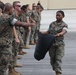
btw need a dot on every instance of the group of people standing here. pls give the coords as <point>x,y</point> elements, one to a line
<point>19,27</point>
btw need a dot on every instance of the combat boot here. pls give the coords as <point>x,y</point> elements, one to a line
<point>26,47</point>
<point>22,53</point>
<point>18,57</point>
<point>35,42</point>
<point>18,65</point>
<point>13,72</point>
<point>58,73</point>
<point>32,43</point>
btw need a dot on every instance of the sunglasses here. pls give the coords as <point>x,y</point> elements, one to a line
<point>18,5</point>
<point>34,6</point>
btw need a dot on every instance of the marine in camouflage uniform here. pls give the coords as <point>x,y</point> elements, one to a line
<point>24,31</point>
<point>37,23</point>
<point>17,14</point>
<point>20,47</point>
<point>56,52</point>
<point>34,18</point>
<point>27,30</point>
<point>17,48</point>
<point>6,38</point>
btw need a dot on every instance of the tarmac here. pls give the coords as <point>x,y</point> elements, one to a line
<point>30,66</point>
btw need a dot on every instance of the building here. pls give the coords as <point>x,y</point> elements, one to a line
<point>50,4</point>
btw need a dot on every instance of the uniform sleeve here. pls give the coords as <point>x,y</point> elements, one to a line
<point>27,17</point>
<point>13,21</point>
<point>65,27</point>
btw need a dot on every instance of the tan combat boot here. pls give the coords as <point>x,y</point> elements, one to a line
<point>22,53</point>
<point>35,42</point>
<point>17,57</point>
<point>26,47</point>
<point>57,73</point>
<point>18,65</point>
<point>13,72</point>
<point>32,43</point>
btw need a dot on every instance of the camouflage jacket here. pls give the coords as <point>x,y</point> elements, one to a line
<point>6,29</point>
<point>34,15</point>
<point>55,28</point>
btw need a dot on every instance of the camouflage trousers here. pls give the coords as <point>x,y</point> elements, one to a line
<point>17,48</point>
<point>56,54</point>
<point>5,58</point>
<point>32,36</point>
<point>21,45</point>
<point>27,37</point>
<point>37,30</point>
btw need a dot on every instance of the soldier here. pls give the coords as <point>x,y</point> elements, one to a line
<point>27,30</point>
<point>56,52</point>
<point>37,23</point>
<point>6,37</point>
<point>34,18</point>
<point>17,48</point>
<point>17,14</point>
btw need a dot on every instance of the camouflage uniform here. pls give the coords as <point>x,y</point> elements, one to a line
<point>56,52</point>
<point>38,21</point>
<point>17,47</point>
<point>22,29</point>
<point>37,26</point>
<point>34,16</point>
<point>27,32</point>
<point>6,38</point>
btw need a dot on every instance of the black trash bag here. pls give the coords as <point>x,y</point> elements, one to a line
<point>44,43</point>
